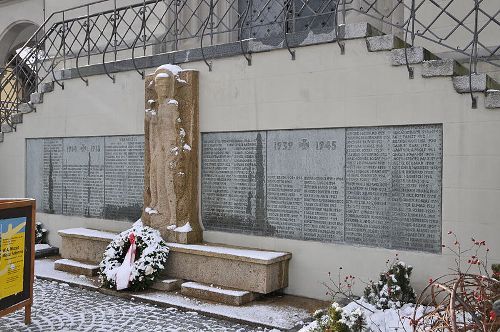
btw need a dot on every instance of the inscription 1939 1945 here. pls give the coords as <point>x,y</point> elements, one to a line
<point>376,186</point>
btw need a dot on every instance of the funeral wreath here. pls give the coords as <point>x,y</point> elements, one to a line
<point>134,259</point>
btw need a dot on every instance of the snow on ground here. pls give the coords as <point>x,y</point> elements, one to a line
<point>264,313</point>
<point>389,320</point>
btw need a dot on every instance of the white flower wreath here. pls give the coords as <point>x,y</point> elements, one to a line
<point>152,253</point>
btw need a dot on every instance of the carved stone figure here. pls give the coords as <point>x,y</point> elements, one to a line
<point>171,154</point>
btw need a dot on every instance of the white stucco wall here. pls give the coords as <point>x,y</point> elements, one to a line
<point>320,89</point>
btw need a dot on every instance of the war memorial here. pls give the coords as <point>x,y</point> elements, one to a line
<point>231,158</point>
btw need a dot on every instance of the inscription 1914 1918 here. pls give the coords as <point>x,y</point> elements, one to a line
<point>100,177</point>
<point>376,186</point>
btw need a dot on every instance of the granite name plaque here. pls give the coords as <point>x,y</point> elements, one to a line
<point>100,177</point>
<point>375,186</point>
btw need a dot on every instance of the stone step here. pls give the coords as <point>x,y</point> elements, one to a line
<point>357,30</point>
<point>16,118</point>
<point>167,285</point>
<point>76,267</point>
<point>384,43</point>
<point>264,271</point>
<point>217,294</point>
<point>479,83</point>
<point>26,108</point>
<point>415,55</point>
<point>6,128</point>
<point>444,67</point>
<point>47,87</point>
<point>492,99</point>
<point>83,244</point>
<point>36,98</point>
<point>45,250</point>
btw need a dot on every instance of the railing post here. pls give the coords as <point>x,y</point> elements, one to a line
<point>64,40</point>
<point>144,27</point>
<point>473,55</point>
<point>115,27</point>
<point>176,18</point>
<point>88,35</point>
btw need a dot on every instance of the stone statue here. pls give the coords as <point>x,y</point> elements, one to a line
<point>171,154</point>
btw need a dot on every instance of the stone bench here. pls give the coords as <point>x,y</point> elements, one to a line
<point>251,270</point>
<point>83,244</point>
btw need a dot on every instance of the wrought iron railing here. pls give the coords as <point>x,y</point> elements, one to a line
<point>89,34</point>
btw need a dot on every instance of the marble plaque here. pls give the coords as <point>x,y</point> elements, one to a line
<point>99,177</point>
<point>374,186</point>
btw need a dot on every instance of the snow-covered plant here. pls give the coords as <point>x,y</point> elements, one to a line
<point>151,256</point>
<point>334,319</point>
<point>393,288</point>
<point>40,233</point>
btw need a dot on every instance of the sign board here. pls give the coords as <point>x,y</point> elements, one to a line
<point>17,255</point>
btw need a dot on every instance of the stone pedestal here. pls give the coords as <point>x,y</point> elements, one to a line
<point>171,154</point>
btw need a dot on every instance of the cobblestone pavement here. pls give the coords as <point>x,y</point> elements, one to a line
<point>59,307</point>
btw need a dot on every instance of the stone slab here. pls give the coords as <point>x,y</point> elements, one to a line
<point>82,244</point>
<point>415,55</point>
<point>76,267</point>
<point>6,128</point>
<point>264,272</point>
<point>26,108</point>
<point>1,137</point>
<point>16,118</point>
<point>167,285</point>
<point>478,82</point>
<point>383,43</point>
<point>47,87</point>
<point>36,98</point>
<point>311,184</point>
<point>216,293</point>
<point>440,68</point>
<point>358,30</point>
<point>492,99</point>
<point>46,251</point>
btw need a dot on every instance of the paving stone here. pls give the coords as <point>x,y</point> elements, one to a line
<point>59,307</point>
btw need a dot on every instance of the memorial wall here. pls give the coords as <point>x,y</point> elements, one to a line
<point>99,177</point>
<point>374,186</point>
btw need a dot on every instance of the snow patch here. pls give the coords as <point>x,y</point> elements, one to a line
<point>186,147</point>
<point>172,68</point>
<point>214,289</point>
<point>173,102</point>
<point>184,229</point>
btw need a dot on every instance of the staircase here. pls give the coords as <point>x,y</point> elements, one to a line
<point>101,37</point>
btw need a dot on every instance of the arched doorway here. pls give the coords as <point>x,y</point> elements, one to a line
<point>16,81</point>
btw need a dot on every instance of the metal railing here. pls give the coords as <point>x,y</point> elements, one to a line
<point>89,34</point>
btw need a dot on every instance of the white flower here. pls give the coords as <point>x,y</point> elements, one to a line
<point>149,270</point>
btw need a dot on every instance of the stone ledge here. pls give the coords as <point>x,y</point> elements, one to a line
<point>84,244</point>
<point>492,99</point>
<point>246,269</point>
<point>232,252</point>
<point>47,87</point>
<point>217,294</point>
<point>357,30</point>
<point>36,98</point>
<point>76,267</point>
<point>5,128</point>
<point>478,82</point>
<point>441,68</point>
<point>383,43</point>
<point>26,108</point>
<point>1,137</point>
<point>415,55</point>
<point>167,285</point>
<point>16,118</point>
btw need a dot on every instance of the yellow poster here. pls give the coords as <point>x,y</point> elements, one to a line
<point>12,232</point>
